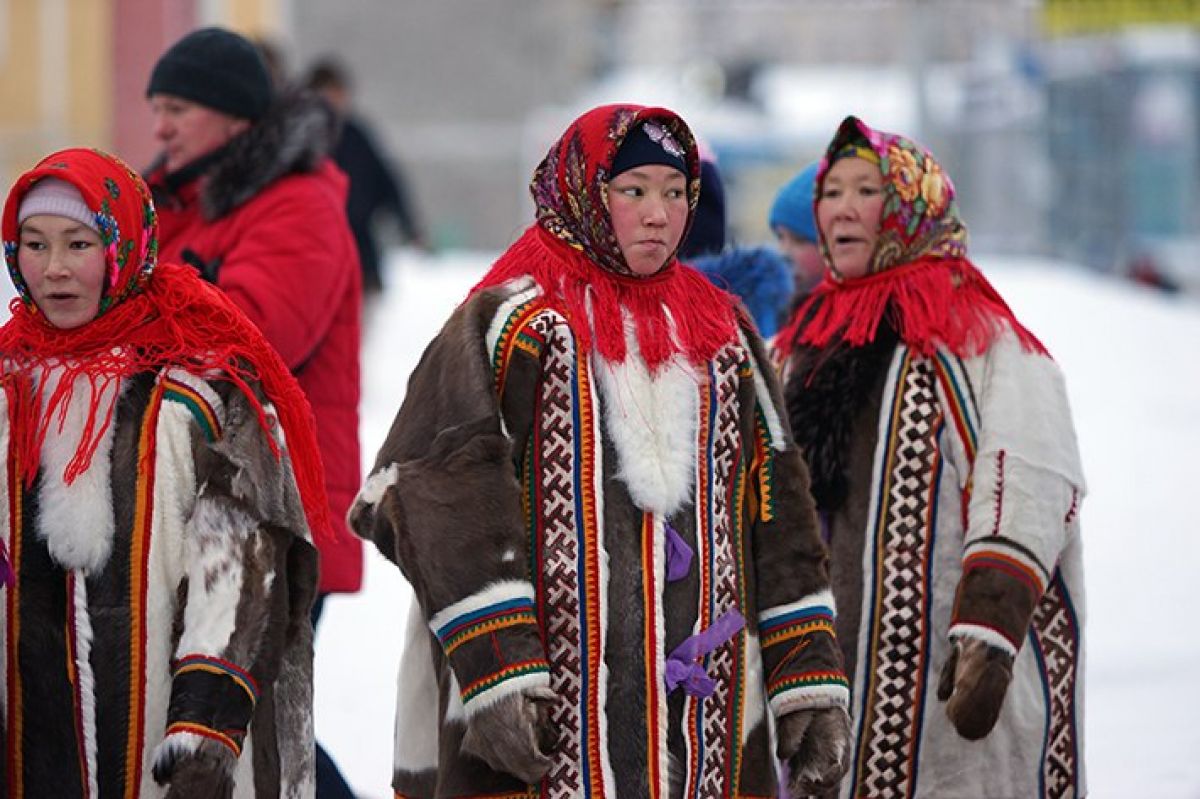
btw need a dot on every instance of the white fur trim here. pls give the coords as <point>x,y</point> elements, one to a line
<point>243,777</point>
<point>76,520</point>
<point>174,501</point>
<point>779,441</point>
<point>753,688</point>
<point>500,591</point>
<point>375,486</point>
<point>485,699</point>
<point>807,697</point>
<point>87,679</point>
<point>213,552</point>
<point>981,633</point>
<point>454,706</point>
<point>651,421</point>
<point>821,599</point>
<point>522,291</point>
<point>416,741</point>
<point>201,387</point>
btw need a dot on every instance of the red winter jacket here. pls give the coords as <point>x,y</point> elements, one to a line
<point>276,236</point>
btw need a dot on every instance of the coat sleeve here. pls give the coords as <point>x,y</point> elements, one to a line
<point>443,501</point>
<point>802,664</point>
<point>249,581</point>
<point>290,257</point>
<point>1025,489</point>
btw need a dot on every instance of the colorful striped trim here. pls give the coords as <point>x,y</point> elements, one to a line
<point>517,670</point>
<point>653,653</point>
<point>960,407</point>
<point>498,616</point>
<point>807,679</point>
<point>203,404</point>
<point>812,606</point>
<point>224,737</point>
<point>764,466</point>
<point>798,630</point>
<point>14,735</point>
<point>1008,560</point>
<point>513,334</point>
<point>215,665</point>
<point>139,567</point>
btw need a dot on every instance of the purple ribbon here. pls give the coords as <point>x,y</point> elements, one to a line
<point>679,554</point>
<point>683,667</point>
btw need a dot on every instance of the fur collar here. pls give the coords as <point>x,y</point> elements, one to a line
<point>296,134</point>
<point>823,396</point>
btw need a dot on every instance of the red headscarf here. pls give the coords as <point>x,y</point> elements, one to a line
<point>151,316</point>
<point>919,273</point>
<point>573,255</point>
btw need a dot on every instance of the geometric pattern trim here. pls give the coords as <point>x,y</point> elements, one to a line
<point>1054,634</point>
<point>889,726</point>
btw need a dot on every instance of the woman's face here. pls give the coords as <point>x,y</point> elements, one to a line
<point>848,211</point>
<point>63,264</point>
<point>649,209</point>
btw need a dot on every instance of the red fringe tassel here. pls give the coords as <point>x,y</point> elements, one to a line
<point>675,310</point>
<point>930,302</point>
<point>177,321</point>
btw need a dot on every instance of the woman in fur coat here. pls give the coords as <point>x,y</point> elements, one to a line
<point>593,492</point>
<point>947,474</point>
<point>161,478</point>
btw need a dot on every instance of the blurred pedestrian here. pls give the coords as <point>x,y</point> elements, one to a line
<point>160,464</point>
<point>791,220</point>
<point>607,525</point>
<point>377,186</point>
<point>248,196</point>
<point>759,276</point>
<point>946,470</point>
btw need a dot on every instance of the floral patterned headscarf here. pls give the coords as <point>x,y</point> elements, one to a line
<point>572,252</point>
<point>123,212</point>
<point>920,218</point>
<point>570,186</point>
<point>919,275</point>
<point>151,316</point>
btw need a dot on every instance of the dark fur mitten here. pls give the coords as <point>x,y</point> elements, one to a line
<point>200,775</point>
<point>515,734</point>
<point>974,680</point>
<point>815,744</point>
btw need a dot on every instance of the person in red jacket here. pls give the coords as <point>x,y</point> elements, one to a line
<point>247,194</point>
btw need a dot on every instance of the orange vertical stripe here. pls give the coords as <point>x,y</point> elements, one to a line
<point>16,726</point>
<point>139,553</point>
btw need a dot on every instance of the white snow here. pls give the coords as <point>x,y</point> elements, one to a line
<point>1134,377</point>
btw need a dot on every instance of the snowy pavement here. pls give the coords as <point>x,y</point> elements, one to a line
<point>1134,378</point>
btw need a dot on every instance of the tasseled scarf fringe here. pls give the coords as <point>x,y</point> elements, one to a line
<point>929,302</point>
<point>674,311</point>
<point>176,321</point>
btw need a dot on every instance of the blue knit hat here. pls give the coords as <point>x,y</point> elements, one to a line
<point>793,206</point>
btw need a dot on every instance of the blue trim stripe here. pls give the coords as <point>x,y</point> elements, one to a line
<point>794,617</point>
<point>506,606</point>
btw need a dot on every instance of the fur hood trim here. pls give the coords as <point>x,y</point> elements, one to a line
<point>296,134</point>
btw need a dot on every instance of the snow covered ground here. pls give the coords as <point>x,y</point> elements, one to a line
<point>1134,377</point>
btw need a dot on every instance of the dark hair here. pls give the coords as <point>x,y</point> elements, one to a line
<point>328,73</point>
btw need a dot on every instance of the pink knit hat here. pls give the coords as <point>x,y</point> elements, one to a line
<point>56,197</point>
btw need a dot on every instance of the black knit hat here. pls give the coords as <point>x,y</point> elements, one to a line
<point>648,143</point>
<point>218,69</point>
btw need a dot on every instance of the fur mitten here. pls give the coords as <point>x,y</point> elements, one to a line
<point>975,679</point>
<point>203,774</point>
<point>815,744</point>
<point>514,734</point>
